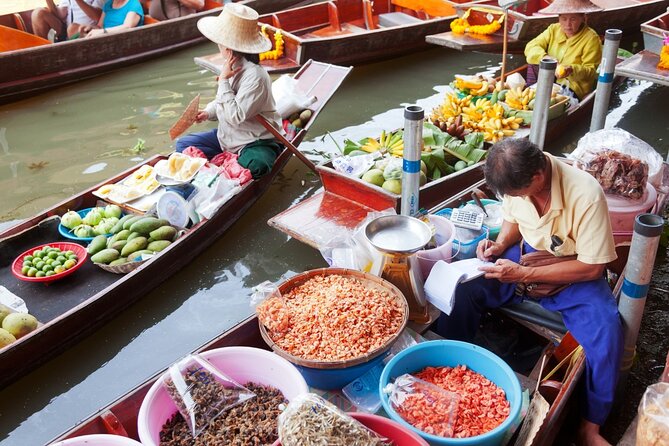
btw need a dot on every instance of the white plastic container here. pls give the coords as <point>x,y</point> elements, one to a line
<point>623,211</point>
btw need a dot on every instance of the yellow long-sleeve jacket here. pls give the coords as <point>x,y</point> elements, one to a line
<point>583,52</point>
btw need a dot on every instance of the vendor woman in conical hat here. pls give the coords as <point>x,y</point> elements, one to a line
<point>244,92</point>
<point>576,47</point>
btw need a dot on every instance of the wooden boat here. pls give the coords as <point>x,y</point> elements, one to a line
<point>74,306</point>
<point>346,201</point>
<point>525,22</point>
<point>351,31</point>
<point>552,346</point>
<point>643,65</point>
<point>32,64</point>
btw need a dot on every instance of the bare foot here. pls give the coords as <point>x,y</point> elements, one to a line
<point>588,435</point>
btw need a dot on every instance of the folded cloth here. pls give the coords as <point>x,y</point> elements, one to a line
<point>228,162</point>
<point>194,152</point>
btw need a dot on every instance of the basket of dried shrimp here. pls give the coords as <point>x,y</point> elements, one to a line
<point>333,324</point>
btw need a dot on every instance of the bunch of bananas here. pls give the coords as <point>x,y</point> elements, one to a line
<point>520,99</point>
<point>451,108</point>
<point>391,142</point>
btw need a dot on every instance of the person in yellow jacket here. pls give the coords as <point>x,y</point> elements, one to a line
<point>576,46</point>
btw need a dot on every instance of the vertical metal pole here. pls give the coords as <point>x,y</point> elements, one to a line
<point>646,237</point>
<point>542,100</point>
<point>605,79</point>
<point>413,144</point>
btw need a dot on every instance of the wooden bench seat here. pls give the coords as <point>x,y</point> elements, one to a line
<point>396,19</point>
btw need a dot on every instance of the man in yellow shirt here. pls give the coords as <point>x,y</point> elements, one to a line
<point>546,201</point>
<point>571,42</point>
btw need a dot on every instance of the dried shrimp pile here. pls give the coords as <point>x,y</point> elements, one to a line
<point>331,318</point>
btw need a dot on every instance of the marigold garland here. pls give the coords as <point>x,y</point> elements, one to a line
<point>663,64</point>
<point>277,52</point>
<point>461,25</point>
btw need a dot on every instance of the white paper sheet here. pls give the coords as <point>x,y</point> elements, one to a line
<point>445,277</point>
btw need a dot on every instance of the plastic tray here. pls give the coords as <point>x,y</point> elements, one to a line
<point>79,250</point>
<point>62,230</point>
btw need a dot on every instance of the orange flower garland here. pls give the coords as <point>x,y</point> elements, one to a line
<point>663,64</point>
<point>461,26</point>
<point>277,52</point>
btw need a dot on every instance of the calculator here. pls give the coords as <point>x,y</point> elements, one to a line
<point>467,219</point>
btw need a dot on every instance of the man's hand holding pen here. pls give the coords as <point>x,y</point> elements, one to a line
<point>488,250</point>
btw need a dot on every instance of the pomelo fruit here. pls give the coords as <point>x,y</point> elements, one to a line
<point>19,324</point>
<point>6,338</point>
<point>394,186</point>
<point>4,311</point>
<point>374,176</point>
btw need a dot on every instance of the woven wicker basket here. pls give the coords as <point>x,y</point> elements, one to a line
<point>121,269</point>
<point>369,280</point>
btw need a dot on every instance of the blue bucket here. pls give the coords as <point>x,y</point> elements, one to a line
<point>332,379</point>
<point>465,250</point>
<point>452,353</point>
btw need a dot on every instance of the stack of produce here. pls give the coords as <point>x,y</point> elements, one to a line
<point>98,221</point>
<point>48,261</point>
<point>14,325</point>
<point>442,154</point>
<point>132,236</point>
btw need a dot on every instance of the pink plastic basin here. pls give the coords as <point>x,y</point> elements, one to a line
<point>98,440</point>
<point>445,234</point>
<point>243,364</point>
<point>624,210</point>
<point>387,428</point>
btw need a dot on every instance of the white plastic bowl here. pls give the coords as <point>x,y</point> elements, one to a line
<point>242,364</point>
<point>98,440</point>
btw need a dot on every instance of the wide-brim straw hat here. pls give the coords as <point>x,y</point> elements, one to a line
<point>570,7</point>
<point>235,28</point>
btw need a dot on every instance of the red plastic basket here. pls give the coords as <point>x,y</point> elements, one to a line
<point>79,250</point>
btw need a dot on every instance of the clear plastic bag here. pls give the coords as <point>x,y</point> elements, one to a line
<point>424,405</point>
<point>201,392</point>
<point>288,98</point>
<point>311,420</point>
<point>593,144</point>
<point>355,166</point>
<point>653,427</point>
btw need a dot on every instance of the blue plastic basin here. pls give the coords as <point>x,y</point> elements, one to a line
<point>331,379</point>
<point>453,353</point>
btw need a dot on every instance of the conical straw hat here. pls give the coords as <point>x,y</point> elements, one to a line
<point>235,28</point>
<point>570,7</point>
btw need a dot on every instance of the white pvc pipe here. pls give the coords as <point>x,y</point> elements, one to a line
<point>542,100</point>
<point>605,80</point>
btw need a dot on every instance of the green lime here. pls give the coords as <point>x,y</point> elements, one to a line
<point>46,248</point>
<point>37,253</point>
<point>50,273</point>
<point>40,264</point>
<point>47,268</point>
<point>69,263</point>
<point>25,270</point>
<point>69,253</point>
<point>61,259</point>
<point>27,263</point>
<point>49,261</point>
<point>28,257</point>
<point>59,269</point>
<point>52,254</point>
<point>32,272</point>
<point>73,257</point>
<point>40,274</point>
<point>56,263</point>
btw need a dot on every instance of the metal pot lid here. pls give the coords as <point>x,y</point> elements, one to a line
<point>399,234</point>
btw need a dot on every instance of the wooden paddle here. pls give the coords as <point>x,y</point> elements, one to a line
<point>286,143</point>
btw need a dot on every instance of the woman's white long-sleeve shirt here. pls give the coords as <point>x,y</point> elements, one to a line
<point>238,101</point>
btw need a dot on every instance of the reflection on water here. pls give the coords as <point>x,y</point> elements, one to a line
<point>82,134</point>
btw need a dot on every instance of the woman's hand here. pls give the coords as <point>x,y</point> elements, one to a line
<point>95,32</point>
<point>228,69</point>
<point>202,116</point>
<point>505,271</point>
<point>487,250</point>
<point>564,71</point>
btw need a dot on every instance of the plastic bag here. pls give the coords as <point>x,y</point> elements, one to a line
<point>354,166</point>
<point>214,189</point>
<point>288,98</point>
<point>412,398</point>
<point>653,427</point>
<point>621,141</point>
<point>311,420</point>
<point>201,392</point>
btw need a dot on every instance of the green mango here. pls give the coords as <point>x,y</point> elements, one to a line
<point>164,233</point>
<point>97,244</point>
<point>105,256</point>
<point>158,245</point>
<point>133,245</point>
